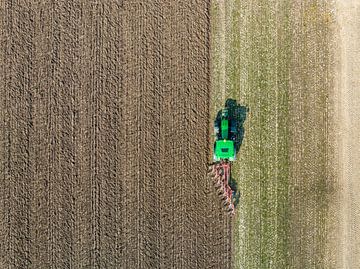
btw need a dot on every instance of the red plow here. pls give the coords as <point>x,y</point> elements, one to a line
<point>220,172</point>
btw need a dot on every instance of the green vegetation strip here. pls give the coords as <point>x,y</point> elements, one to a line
<point>278,63</point>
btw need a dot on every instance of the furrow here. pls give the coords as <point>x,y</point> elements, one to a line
<point>17,159</point>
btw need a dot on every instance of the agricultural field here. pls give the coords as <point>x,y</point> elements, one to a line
<point>106,133</point>
<point>104,113</point>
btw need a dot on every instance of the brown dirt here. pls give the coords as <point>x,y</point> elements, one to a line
<point>104,109</point>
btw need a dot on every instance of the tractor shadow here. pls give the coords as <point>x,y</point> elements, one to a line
<point>236,192</point>
<point>239,113</point>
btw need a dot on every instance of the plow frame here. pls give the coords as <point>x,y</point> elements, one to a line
<point>221,172</point>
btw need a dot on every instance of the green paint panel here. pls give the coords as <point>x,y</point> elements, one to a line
<point>224,149</point>
<point>224,129</point>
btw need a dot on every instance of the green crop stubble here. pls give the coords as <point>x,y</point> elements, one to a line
<point>268,70</point>
<point>278,64</point>
<point>257,70</point>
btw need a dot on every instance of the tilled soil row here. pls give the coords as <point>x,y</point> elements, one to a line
<point>104,137</point>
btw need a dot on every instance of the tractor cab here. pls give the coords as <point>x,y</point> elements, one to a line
<point>224,150</point>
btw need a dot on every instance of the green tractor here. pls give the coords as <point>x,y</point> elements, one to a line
<point>227,137</point>
<point>225,130</point>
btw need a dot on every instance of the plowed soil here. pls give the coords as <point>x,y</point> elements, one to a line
<point>104,113</point>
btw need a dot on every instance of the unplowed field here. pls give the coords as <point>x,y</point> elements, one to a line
<point>277,58</point>
<point>348,96</point>
<point>104,113</point>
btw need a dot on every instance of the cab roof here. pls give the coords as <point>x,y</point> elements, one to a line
<point>224,149</point>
